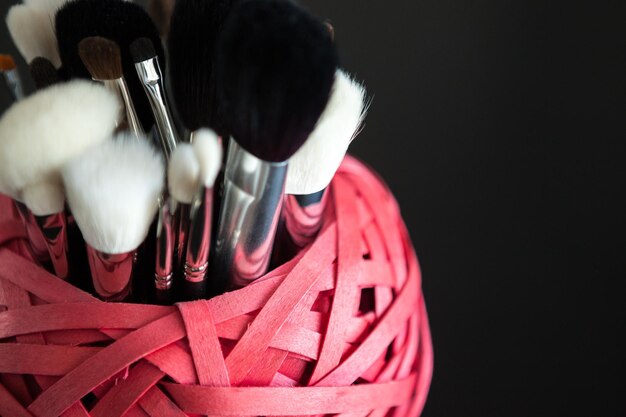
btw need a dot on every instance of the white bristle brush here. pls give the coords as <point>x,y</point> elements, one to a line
<point>32,30</point>
<point>183,173</point>
<point>38,135</point>
<point>113,191</point>
<point>313,166</point>
<point>208,150</point>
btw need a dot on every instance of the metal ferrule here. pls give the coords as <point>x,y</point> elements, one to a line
<point>149,73</point>
<point>14,82</point>
<point>35,237</point>
<point>111,274</point>
<point>121,88</point>
<point>303,217</point>
<point>182,230</point>
<point>198,244</point>
<point>54,230</point>
<point>166,238</point>
<point>250,209</point>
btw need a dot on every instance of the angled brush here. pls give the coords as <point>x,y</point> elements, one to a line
<point>103,60</point>
<point>275,69</point>
<point>119,21</point>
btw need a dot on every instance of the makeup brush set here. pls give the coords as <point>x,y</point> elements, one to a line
<point>173,163</point>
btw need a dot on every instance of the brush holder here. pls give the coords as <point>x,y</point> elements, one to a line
<point>340,329</point>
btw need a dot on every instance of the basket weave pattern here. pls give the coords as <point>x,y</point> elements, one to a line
<point>341,329</point>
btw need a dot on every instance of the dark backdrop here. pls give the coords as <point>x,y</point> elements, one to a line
<point>499,125</point>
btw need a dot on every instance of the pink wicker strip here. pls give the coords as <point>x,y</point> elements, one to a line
<point>342,330</point>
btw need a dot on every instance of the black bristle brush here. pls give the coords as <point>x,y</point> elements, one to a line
<point>43,73</point>
<point>275,68</point>
<point>120,21</point>
<point>194,29</point>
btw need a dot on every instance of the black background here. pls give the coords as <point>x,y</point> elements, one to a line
<point>500,127</point>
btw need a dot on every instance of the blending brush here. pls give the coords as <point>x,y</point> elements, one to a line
<point>208,151</point>
<point>314,165</point>
<point>275,69</point>
<point>113,191</point>
<point>194,30</point>
<point>120,21</point>
<point>32,31</point>
<point>38,135</point>
<point>149,73</point>
<point>43,73</point>
<point>103,60</point>
<point>11,76</point>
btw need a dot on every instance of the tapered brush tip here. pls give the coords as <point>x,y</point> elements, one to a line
<point>208,148</point>
<point>33,33</point>
<point>275,69</point>
<point>7,63</point>
<point>183,173</point>
<point>101,57</point>
<point>142,49</point>
<point>43,73</point>
<point>113,191</point>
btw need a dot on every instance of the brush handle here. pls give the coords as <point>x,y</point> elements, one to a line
<point>251,204</point>
<point>54,230</point>
<point>198,245</point>
<point>164,269</point>
<point>14,82</point>
<point>151,78</point>
<point>119,85</point>
<point>111,274</point>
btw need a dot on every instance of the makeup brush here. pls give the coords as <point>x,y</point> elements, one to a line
<point>43,73</point>
<point>183,183</point>
<point>11,76</point>
<point>161,12</point>
<point>119,21</point>
<point>103,60</point>
<point>32,32</point>
<point>149,73</point>
<point>275,69</point>
<point>314,165</point>
<point>37,136</point>
<point>113,191</point>
<point>194,30</point>
<point>208,151</point>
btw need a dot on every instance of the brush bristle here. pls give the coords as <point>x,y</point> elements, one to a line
<point>113,192</point>
<point>101,57</point>
<point>33,33</point>
<point>7,63</point>
<point>312,168</point>
<point>142,50</point>
<point>161,12</point>
<point>49,6</point>
<point>194,29</point>
<point>208,148</point>
<point>120,21</point>
<point>275,68</point>
<point>44,199</point>
<point>43,73</point>
<point>183,173</point>
<point>43,131</point>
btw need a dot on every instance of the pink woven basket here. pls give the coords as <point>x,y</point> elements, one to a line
<point>342,329</point>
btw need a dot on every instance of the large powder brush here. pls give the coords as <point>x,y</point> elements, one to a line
<point>119,21</point>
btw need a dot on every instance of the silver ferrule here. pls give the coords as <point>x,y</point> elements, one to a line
<point>166,239</point>
<point>35,237</point>
<point>54,230</point>
<point>198,244</point>
<point>250,209</point>
<point>14,82</point>
<point>302,218</point>
<point>111,274</point>
<point>121,88</point>
<point>149,73</point>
